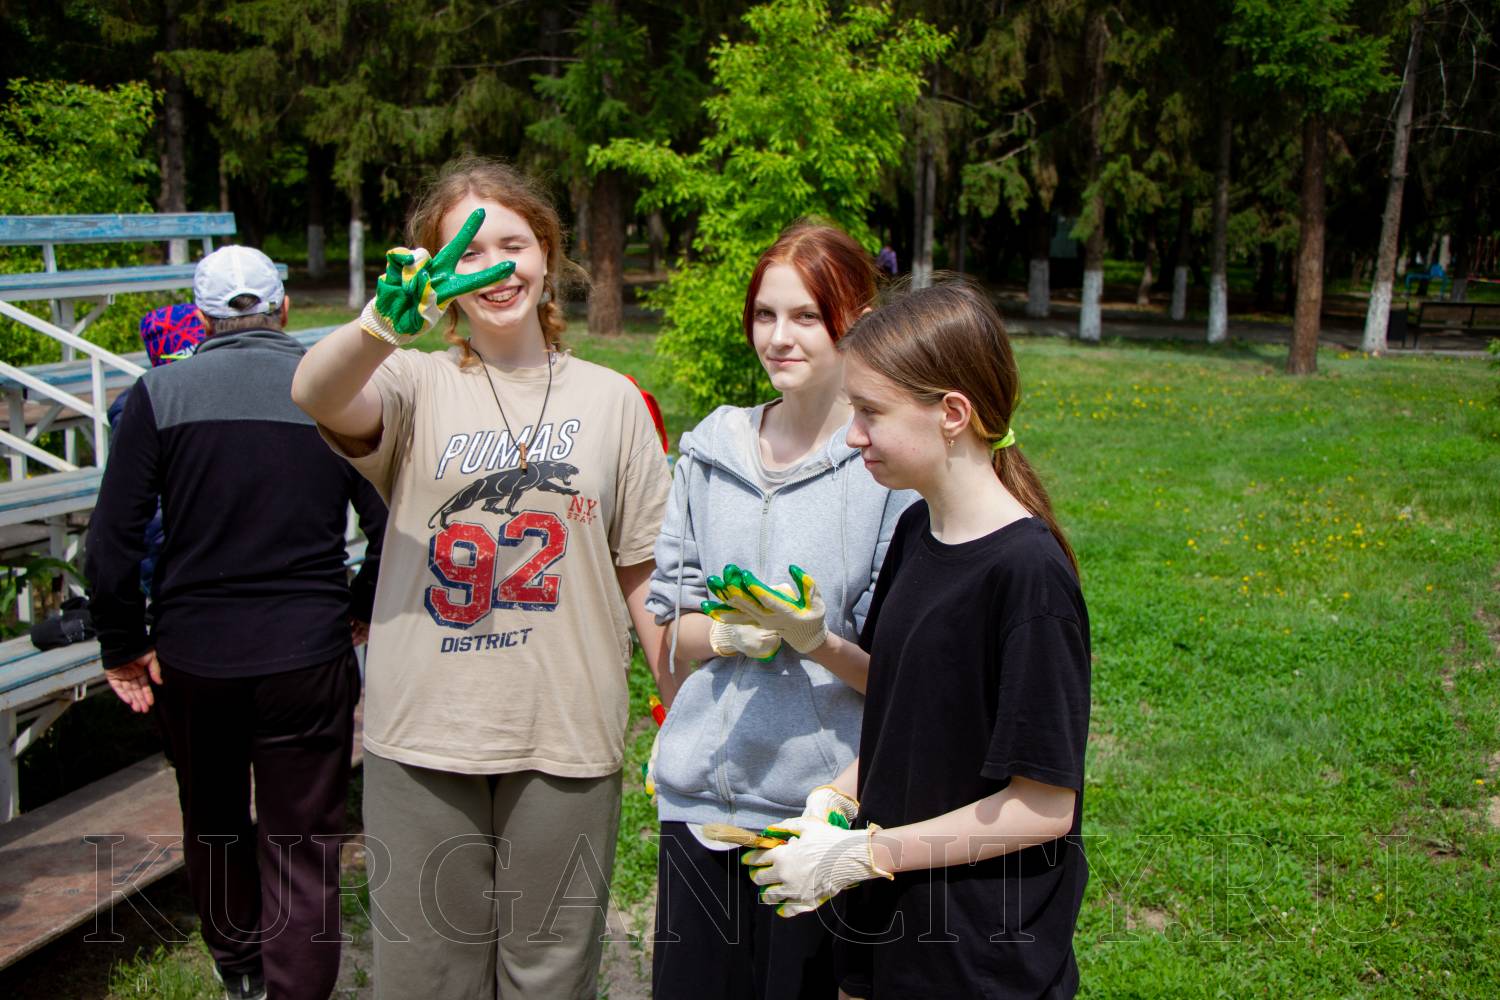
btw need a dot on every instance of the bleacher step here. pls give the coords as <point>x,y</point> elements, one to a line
<point>67,862</point>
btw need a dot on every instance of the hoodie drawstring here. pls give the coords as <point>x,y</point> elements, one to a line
<point>687,491</point>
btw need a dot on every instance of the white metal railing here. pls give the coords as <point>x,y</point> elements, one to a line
<point>23,442</point>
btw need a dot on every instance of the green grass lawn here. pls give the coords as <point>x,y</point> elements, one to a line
<point>1293,593</point>
<point>1294,587</point>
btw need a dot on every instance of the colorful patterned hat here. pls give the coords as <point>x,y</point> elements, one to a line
<point>172,333</point>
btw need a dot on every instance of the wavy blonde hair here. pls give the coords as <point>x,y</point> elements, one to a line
<point>497,181</point>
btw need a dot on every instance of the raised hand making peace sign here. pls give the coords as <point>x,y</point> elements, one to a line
<point>416,287</point>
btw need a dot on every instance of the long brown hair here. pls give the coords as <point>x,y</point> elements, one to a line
<point>837,271</point>
<point>949,338</point>
<point>495,180</point>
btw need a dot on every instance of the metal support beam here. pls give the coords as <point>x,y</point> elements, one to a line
<point>10,775</point>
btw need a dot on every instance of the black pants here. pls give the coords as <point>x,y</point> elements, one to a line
<point>714,939</point>
<point>267,893</point>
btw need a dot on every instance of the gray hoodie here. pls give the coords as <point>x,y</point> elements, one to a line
<point>746,741</point>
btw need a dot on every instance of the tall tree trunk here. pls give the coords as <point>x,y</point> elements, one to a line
<point>357,296</point>
<point>319,167</point>
<point>1093,247</point>
<point>1178,309</point>
<point>656,240</point>
<point>1218,278</point>
<point>924,191</point>
<point>1378,315</point>
<point>223,183</point>
<point>1302,359</point>
<point>1039,274</point>
<point>606,254</point>
<point>1148,269</point>
<point>173,197</point>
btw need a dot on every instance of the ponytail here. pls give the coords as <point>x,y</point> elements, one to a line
<point>1021,480</point>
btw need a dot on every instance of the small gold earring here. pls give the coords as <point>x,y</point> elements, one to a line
<point>950,442</point>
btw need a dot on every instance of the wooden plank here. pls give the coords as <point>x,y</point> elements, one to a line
<point>47,496</point>
<point>69,861</point>
<point>98,282</point>
<point>30,230</point>
<point>76,857</point>
<point>17,649</point>
<point>43,686</point>
<point>74,375</point>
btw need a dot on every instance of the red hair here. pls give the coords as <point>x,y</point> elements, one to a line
<point>838,272</point>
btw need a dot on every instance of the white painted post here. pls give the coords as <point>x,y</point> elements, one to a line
<point>10,774</point>
<point>1179,292</point>
<point>17,405</point>
<point>70,439</point>
<point>1218,308</point>
<point>356,262</point>
<point>101,411</point>
<point>1089,325</point>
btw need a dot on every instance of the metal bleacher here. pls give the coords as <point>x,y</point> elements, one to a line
<point>53,874</point>
<point>36,686</point>
<point>50,490</point>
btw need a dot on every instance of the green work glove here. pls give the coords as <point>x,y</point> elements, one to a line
<point>818,862</point>
<point>416,287</point>
<point>795,610</point>
<point>744,640</point>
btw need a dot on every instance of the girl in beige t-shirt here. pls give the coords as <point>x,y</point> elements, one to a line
<point>526,489</point>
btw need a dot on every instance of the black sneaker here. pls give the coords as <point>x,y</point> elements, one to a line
<point>241,985</point>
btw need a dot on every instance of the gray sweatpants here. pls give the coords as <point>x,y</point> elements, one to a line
<point>487,885</point>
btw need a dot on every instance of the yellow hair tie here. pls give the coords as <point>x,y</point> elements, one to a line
<point>1005,442</point>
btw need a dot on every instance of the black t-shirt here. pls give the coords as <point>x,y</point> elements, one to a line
<point>979,672</point>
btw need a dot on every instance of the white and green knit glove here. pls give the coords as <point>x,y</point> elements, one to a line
<point>829,805</point>
<point>416,287</point>
<point>744,640</point>
<point>817,863</point>
<point>795,610</point>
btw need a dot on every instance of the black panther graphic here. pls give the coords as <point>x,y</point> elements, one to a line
<point>506,487</point>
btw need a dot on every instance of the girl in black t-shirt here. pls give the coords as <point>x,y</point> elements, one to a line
<point>970,767</point>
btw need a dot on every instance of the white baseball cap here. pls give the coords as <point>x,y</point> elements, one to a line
<point>230,272</point>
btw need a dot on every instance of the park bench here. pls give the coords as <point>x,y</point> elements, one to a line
<point>1422,278</point>
<point>1470,317</point>
<point>64,289</point>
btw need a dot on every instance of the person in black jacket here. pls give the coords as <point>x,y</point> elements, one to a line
<point>249,657</point>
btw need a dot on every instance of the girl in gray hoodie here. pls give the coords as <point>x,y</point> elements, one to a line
<point>759,725</point>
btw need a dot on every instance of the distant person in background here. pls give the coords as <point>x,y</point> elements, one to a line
<point>170,334</point>
<point>885,261</point>
<point>248,658</point>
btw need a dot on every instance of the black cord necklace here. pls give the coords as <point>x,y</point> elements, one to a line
<point>551,357</point>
